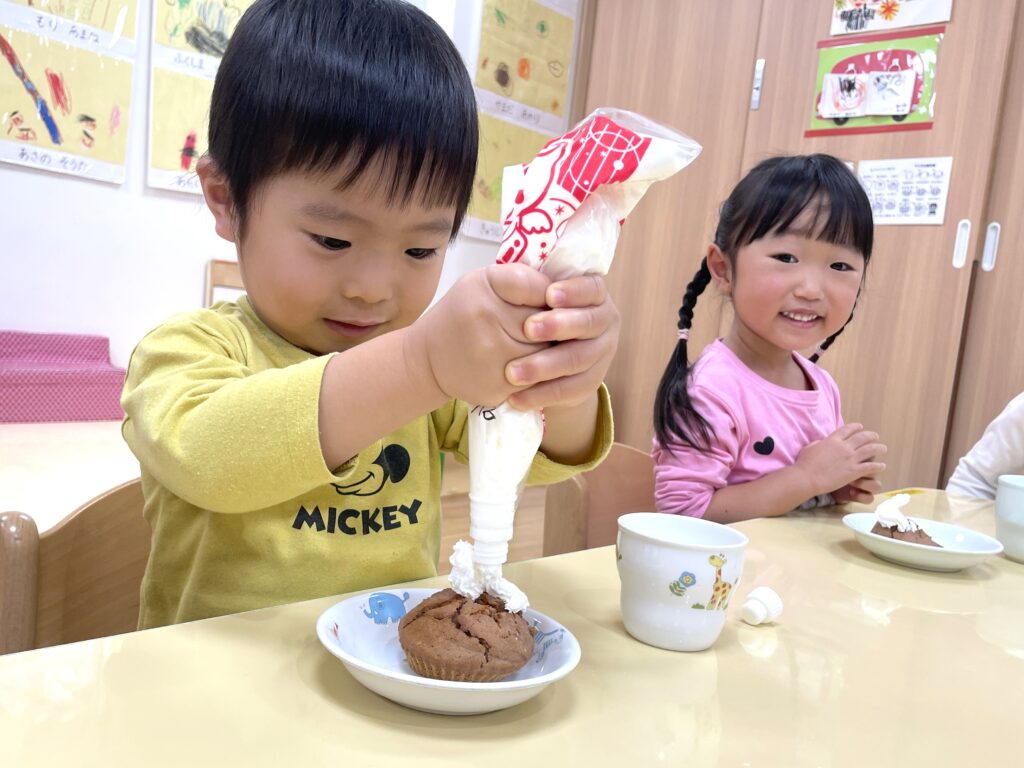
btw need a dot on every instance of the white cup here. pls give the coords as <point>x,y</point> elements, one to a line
<point>1010,515</point>
<point>678,576</point>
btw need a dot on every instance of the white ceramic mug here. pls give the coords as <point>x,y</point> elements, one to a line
<point>1010,515</point>
<point>678,576</point>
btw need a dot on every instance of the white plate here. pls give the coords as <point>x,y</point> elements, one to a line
<point>362,631</point>
<point>961,547</point>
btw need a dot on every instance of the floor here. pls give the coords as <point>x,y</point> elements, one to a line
<point>49,470</point>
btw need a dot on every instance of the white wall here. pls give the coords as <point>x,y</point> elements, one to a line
<point>78,256</point>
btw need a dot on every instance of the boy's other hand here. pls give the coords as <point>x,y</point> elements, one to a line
<point>468,337</point>
<point>847,457</point>
<point>578,331</point>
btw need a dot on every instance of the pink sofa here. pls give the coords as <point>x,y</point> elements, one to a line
<point>57,377</point>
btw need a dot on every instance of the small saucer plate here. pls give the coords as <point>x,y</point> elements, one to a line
<point>362,631</point>
<point>961,547</point>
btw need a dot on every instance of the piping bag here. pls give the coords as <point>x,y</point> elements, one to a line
<point>562,213</point>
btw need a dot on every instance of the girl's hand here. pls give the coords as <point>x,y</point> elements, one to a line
<point>581,333</point>
<point>862,489</point>
<point>847,457</point>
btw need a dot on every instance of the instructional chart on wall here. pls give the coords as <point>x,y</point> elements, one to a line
<point>523,83</point>
<point>189,39</point>
<point>909,190</point>
<point>66,70</point>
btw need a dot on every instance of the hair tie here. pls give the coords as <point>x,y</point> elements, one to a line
<point>683,334</point>
<point>819,350</point>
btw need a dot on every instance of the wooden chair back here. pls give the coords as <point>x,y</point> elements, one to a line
<point>222,274</point>
<point>77,581</point>
<point>583,511</point>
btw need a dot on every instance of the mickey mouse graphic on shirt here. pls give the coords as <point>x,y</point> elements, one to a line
<point>392,463</point>
<point>362,519</point>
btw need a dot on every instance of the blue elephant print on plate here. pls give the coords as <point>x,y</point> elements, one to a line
<point>385,606</point>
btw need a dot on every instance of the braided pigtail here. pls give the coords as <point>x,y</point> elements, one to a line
<point>828,342</point>
<point>675,418</point>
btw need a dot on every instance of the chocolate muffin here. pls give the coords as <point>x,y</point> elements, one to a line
<point>449,637</point>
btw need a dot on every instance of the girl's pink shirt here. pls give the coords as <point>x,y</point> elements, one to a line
<point>758,427</point>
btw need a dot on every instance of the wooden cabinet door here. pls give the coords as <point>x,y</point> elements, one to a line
<point>688,65</point>
<point>992,362</point>
<point>896,363</point>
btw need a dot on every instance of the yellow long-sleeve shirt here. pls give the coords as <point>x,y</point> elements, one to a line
<point>222,414</point>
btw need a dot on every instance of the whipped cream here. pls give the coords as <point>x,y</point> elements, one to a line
<point>889,515</point>
<point>470,579</point>
<point>502,444</point>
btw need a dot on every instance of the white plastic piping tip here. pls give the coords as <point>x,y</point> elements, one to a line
<point>762,605</point>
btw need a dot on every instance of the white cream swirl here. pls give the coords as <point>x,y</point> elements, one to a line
<point>471,580</point>
<point>889,515</point>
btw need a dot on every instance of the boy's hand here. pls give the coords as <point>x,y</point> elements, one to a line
<point>847,457</point>
<point>468,337</point>
<point>582,327</point>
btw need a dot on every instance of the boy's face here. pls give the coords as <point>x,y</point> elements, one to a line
<point>328,269</point>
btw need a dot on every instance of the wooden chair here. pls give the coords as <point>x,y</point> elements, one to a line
<point>223,274</point>
<point>583,511</point>
<point>77,581</point>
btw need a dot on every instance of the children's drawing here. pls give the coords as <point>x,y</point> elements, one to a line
<point>856,16</point>
<point>178,129</point>
<point>189,38</point>
<point>525,50</point>
<point>61,102</point>
<point>200,26</point>
<point>875,83</point>
<point>501,143</point>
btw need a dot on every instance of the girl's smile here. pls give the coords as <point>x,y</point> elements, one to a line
<point>802,319</point>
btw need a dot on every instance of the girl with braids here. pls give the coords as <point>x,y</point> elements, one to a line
<point>752,428</point>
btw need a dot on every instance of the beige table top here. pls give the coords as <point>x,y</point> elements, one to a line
<point>870,664</point>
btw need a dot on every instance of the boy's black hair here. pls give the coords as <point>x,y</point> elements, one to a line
<point>766,202</point>
<point>315,85</point>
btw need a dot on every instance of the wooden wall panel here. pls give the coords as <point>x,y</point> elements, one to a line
<point>992,363</point>
<point>689,65</point>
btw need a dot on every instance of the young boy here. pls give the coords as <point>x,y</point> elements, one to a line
<point>290,443</point>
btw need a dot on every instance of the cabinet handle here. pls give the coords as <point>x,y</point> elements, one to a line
<point>963,237</point>
<point>988,255</point>
<point>755,91</point>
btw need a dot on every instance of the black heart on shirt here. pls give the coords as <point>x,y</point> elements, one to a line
<point>764,447</point>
